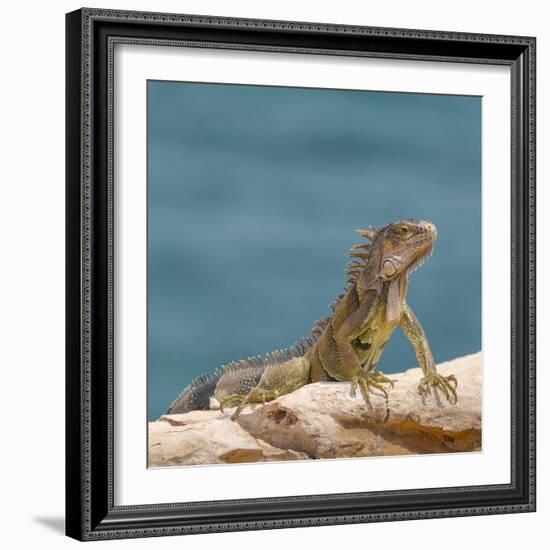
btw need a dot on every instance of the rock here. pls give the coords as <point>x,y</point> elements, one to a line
<point>207,437</point>
<point>324,420</point>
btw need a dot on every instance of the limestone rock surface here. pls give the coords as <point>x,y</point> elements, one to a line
<point>207,437</point>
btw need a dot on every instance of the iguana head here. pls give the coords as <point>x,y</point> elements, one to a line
<point>397,248</point>
<point>404,246</point>
<point>385,263</point>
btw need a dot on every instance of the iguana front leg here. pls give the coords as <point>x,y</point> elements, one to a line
<point>415,334</point>
<point>348,366</point>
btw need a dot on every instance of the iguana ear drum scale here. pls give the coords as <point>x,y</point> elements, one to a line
<point>347,345</point>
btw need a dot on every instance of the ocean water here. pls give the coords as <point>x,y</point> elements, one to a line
<point>254,194</point>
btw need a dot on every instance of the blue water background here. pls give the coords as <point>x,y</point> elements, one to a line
<point>254,194</point>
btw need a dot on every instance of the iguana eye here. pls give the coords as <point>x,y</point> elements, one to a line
<point>403,231</point>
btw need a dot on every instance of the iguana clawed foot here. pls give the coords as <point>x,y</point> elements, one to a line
<point>235,400</point>
<point>232,401</point>
<point>371,379</point>
<point>447,384</point>
<point>255,396</point>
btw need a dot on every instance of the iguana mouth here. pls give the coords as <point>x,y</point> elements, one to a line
<point>424,244</point>
<point>421,257</point>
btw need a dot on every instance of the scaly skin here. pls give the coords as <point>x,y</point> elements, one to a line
<point>348,345</point>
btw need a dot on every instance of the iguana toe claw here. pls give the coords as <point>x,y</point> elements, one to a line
<point>381,378</point>
<point>364,388</point>
<point>369,380</point>
<point>447,384</point>
<point>240,407</point>
<point>231,401</point>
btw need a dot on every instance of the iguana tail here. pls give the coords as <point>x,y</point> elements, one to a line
<point>235,378</point>
<point>196,396</point>
<point>238,378</point>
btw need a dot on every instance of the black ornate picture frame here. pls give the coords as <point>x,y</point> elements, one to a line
<point>90,509</point>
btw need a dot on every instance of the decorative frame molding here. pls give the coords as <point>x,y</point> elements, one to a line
<point>91,36</point>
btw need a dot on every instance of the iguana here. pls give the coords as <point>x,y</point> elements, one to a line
<point>347,345</point>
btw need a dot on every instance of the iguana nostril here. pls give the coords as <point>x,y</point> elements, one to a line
<point>430,228</point>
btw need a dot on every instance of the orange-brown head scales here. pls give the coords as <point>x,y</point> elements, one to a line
<point>403,246</point>
<point>395,250</point>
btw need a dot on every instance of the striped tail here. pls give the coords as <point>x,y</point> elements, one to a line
<point>196,396</point>
<point>238,377</point>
